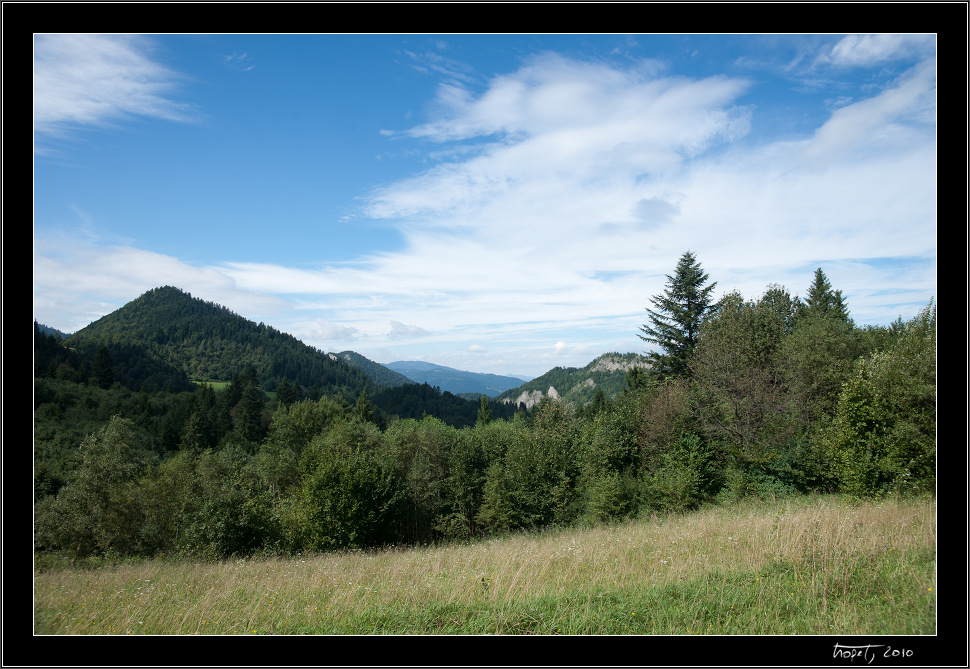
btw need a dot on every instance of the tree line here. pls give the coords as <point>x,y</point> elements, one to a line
<point>743,397</point>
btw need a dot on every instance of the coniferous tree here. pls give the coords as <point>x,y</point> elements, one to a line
<point>636,379</point>
<point>674,325</point>
<point>103,369</point>
<point>250,417</point>
<point>286,393</point>
<point>599,403</point>
<point>364,410</point>
<point>484,412</point>
<point>822,300</point>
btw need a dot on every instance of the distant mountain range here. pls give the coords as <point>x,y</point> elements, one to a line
<point>455,380</point>
<point>166,339</point>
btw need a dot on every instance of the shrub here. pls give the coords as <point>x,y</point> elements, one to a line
<point>686,474</point>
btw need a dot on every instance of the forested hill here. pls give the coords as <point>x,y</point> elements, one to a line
<point>46,329</point>
<point>208,342</point>
<point>375,370</point>
<point>577,385</point>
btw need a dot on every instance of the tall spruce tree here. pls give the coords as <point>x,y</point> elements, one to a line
<point>484,412</point>
<point>675,322</point>
<point>822,300</point>
<point>364,410</point>
<point>103,370</point>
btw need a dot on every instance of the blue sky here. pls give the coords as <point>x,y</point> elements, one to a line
<point>496,203</point>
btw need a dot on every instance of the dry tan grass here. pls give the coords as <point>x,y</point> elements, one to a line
<point>817,538</point>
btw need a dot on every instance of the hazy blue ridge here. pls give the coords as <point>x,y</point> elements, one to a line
<point>455,380</point>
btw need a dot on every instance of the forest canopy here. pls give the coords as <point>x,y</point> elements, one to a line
<point>148,441</point>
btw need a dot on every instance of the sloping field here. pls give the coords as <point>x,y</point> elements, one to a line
<point>811,566</point>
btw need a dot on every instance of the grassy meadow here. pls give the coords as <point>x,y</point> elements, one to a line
<point>816,565</point>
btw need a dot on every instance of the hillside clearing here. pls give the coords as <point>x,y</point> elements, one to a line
<point>814,565</point>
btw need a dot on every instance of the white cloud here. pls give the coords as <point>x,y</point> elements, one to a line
<point>332,332</point>
<point>400,330</point>
<point>869,50</point>
<point>883,122</point>
<point>556,124</point>
<point>561,217</point>
<point>78,282</point>
<point>567,192</point>
<point>94,80</point>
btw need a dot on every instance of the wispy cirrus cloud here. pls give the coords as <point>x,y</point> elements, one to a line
<point>240,61</point>
<point>433,61</point>
<point>870,50</point>
<point>560,126</point>
<point>559,196</point>
<point>899,114</point>
<point>96,80</point>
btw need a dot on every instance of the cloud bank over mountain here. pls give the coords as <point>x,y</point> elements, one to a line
<point>544,203</point>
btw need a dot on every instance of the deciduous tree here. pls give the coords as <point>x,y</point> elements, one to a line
<point>97,510</point>
<point>884,435</point>
<point>741,379</point>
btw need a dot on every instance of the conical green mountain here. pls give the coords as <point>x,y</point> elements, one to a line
<point>208,342</point>
<point>166,339</point>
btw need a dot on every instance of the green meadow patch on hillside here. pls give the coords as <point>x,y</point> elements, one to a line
<point>216,385</point>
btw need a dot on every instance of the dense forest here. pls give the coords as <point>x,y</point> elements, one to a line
<point>282,448</point>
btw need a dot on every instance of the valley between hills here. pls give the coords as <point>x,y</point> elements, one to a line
<point>167,339</point>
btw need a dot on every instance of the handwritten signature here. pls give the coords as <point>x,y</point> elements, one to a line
<point>868,652</point>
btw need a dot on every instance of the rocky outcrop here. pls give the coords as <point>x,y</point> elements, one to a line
<point>609,363</point>
<point>530,399</point>
<point>527,399</point>
<point>576,385</point>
